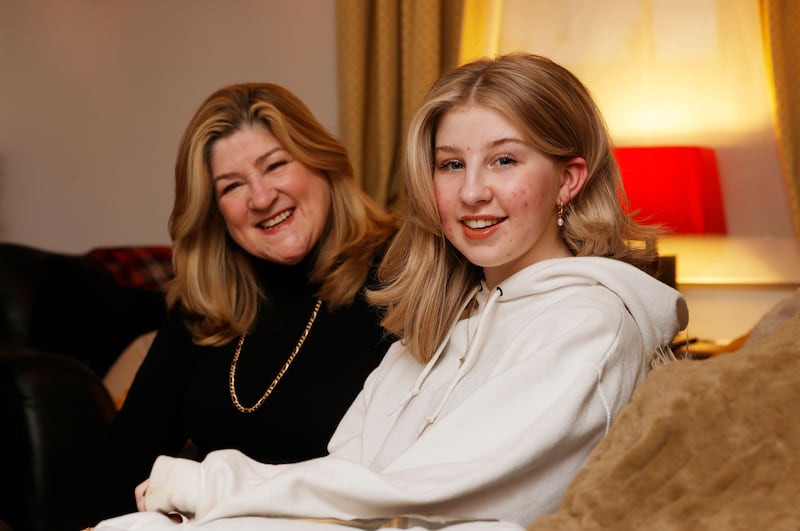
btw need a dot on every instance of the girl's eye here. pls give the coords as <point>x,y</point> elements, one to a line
<point>451,165</point>
<point>505,160</point>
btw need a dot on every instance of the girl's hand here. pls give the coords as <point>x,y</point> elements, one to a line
<point>139,493</point>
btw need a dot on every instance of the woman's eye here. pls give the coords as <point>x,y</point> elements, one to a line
<point>275,165</point>
<point>451,165</point>
<point>228,188</point>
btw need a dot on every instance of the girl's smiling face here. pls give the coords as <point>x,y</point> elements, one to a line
<point>497,195</point>
<point>275,207</point>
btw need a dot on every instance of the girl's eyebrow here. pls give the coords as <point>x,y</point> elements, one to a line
<point>445,149</point>
<point>259,160</point>
<point>492,144</point>
<point>507,140</point>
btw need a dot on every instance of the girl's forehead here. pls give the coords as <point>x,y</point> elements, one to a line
<point>474,121</point>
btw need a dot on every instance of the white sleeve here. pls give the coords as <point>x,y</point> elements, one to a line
<point>508,450</point>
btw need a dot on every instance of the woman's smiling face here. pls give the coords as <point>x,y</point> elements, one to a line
<point>497,195</point>
<point>274,206</point>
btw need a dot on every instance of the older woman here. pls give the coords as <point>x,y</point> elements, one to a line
<point>269,337</point>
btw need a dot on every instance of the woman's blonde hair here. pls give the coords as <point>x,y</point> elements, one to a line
<point>214,278</point>
<point>425,279</point>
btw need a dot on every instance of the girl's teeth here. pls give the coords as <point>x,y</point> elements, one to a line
<point>479,223</point>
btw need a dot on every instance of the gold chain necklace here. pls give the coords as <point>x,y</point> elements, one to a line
<point>232,374</point>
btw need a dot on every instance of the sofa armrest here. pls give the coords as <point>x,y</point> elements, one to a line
<point>87,306</point>
<point>55,412</point>
<point>20,265</point>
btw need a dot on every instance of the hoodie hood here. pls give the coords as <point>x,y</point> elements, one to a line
<point>659,310</point>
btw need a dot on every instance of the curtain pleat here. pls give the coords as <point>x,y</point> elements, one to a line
<point>389,54</point>
<point>781,29</point>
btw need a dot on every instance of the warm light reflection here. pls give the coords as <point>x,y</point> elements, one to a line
<point>662,71</point>
<point>679,105</point>
<point>480,29</point>
<point>733,261</point>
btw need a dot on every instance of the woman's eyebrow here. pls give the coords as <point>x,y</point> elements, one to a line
<point>268,154</point>
<point>259,160</point>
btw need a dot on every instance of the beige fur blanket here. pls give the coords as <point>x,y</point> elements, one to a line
<point>703,445</point>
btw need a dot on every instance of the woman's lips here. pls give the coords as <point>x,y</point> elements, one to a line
<point>276,220</point>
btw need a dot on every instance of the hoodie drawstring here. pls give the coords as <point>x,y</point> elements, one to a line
<point>469,362</point>
<point>414,391</point>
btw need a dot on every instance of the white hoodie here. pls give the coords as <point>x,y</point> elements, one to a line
<point>554,353</point>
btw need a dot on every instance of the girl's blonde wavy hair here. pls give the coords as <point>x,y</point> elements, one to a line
<point>214,277</point>
<point>425,279</point>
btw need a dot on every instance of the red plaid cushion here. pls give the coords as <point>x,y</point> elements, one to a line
<point>148,267</point>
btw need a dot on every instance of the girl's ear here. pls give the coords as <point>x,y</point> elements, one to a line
<point>573,177</point>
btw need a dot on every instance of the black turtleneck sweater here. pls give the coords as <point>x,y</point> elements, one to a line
<point>181,391</point>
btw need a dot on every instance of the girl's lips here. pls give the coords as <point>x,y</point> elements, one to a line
<point>479,229</point>
<point>276,220</point>
<point>481,223</point>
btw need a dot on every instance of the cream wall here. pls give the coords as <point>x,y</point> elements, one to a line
<point>95,95</point>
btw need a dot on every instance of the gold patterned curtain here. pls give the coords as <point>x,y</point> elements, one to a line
<point>389,54</point>
<point>781,29</point>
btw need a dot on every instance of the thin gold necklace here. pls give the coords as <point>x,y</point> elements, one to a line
<point>232,374</point>
<point>468,311</point>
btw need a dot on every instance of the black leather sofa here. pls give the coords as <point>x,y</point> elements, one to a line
<point>64,319</point>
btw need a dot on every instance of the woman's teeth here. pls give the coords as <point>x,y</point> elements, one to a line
<point>268,224</point>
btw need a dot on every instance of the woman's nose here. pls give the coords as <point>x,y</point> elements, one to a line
<point>261,194</point>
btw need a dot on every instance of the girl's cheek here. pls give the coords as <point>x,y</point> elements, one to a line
<point>442,198</point>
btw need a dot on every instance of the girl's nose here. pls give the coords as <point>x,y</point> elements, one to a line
<point>475,188</point>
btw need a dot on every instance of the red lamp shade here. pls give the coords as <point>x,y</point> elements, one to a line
<point>675,186</point>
